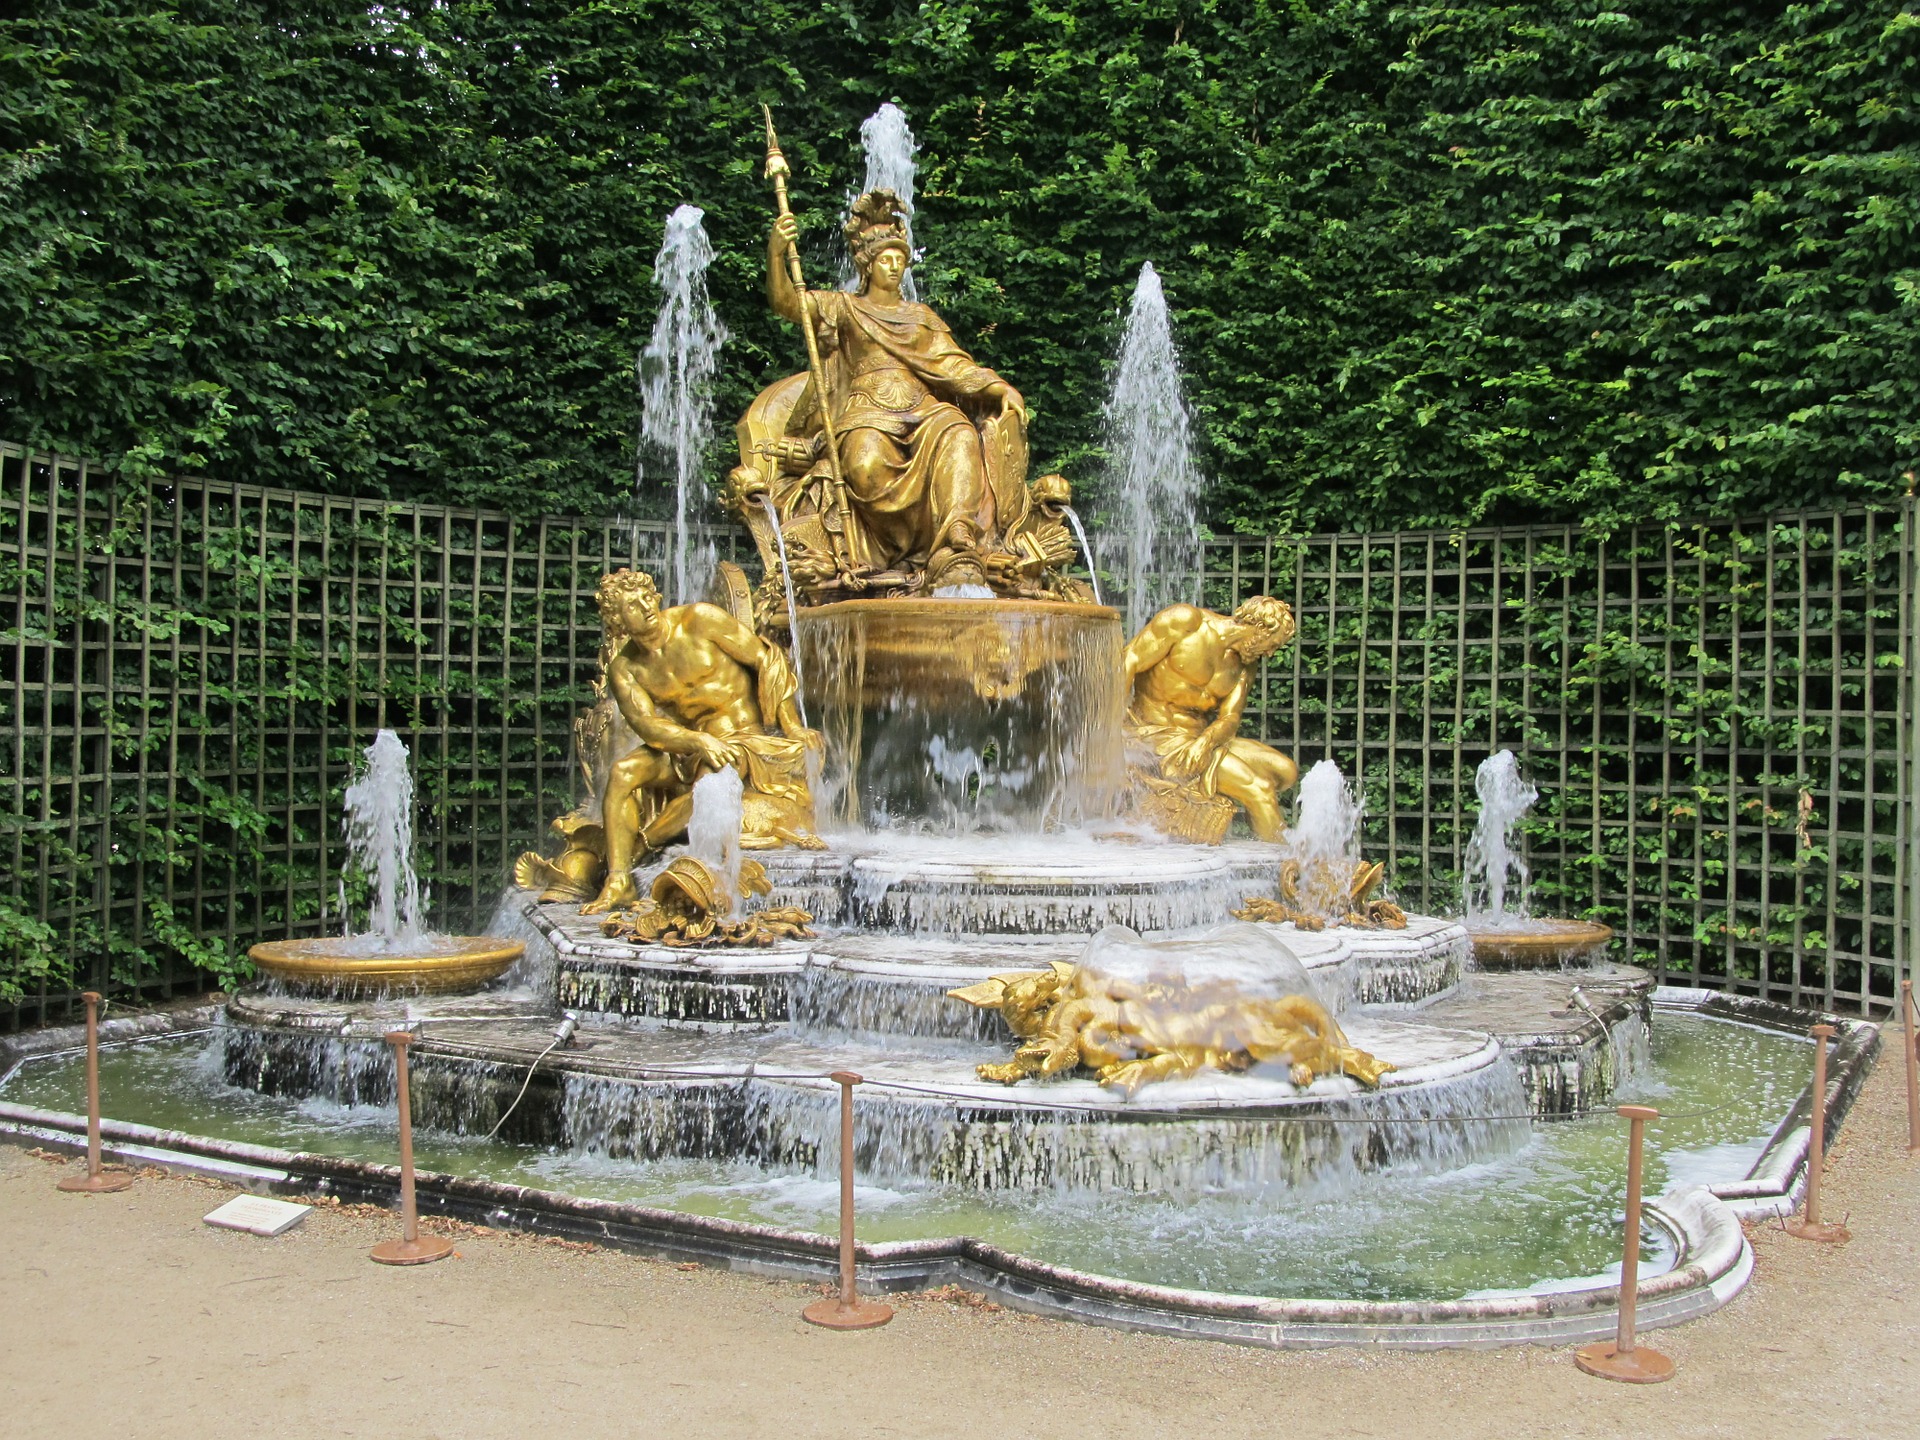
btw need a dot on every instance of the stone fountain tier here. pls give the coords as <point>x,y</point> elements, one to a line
<point>871,983</point>
<point>645,1093</point>
<point>1575,1035</point>
<point>1017,885</point>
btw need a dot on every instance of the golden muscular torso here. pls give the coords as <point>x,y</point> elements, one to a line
<point>692,682</point>
<point>1189,682</point>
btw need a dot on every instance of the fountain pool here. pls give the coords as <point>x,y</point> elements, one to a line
<point>1543,1215</point>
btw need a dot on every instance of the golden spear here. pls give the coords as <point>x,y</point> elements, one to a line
<point>777,171</point>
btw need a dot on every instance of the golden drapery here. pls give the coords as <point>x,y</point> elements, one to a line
<point>896,372</point>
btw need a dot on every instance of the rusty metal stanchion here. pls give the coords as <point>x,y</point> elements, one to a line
<point>847,1311</point>
<point>411,1248</point>
<point>96,1181</point>
<point>1913,1067</point>
<point>1621,1359</point>
<point>1809,1226</point>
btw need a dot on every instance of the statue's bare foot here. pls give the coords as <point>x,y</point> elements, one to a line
<point>619,893</point>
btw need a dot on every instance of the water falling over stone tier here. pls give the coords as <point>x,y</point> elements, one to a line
<point>1148,523</point>
<point>676,372</point>
<point>962,716</point>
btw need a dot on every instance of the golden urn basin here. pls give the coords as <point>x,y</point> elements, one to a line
<point>962,715</point>
<point>1539,944</point>
<point>348,965</point>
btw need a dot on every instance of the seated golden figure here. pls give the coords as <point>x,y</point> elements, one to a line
<point>929,473</point>
<point>1189,672</point>
<point>700,690</point>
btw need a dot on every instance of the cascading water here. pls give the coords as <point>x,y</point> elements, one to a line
<point>677,368</point>
<point>957,717</point>
<point>379,834</point>
<point>794,647</point>
<point>1325,841</point>
<point>1153,487</point>
<point>903,1142</point>
<point>1496,876</point>
<point>1080,533</point>
<point>534,970</point>
<point>890,148</point>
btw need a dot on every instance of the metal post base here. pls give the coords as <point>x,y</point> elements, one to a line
<point>412,1252</point>
<point>1823,1231</point>
<point>836,1315</point>
<point>1638,1366</point>
<point>105,1183</point>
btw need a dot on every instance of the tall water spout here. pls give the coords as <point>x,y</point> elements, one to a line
<point>1496,878</point>
<point>1153,488</point>
<point>379,833</point>
<point>1325,840</point>
<point>713,830</point>
<point>890,148</point>
<point>677,368</point>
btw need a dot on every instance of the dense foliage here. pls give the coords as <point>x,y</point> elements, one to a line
<point>1431,264</point>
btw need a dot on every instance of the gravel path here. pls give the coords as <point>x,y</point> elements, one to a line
<point>123,1313</point>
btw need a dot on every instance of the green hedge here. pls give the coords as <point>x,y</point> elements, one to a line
<point>1431,265</point>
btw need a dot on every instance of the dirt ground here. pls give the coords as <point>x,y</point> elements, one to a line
<point>125,1314</point>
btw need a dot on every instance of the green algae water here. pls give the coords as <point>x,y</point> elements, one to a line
<point>1539,1217</point>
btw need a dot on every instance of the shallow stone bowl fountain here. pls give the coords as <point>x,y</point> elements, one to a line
<point>395,955</point>
<point>1539,944</point>
<point>344,965</point>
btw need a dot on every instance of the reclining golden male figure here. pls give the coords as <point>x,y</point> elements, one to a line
<point>1189,672</point>
<point>701,691</point>
<point>1131,1032</point>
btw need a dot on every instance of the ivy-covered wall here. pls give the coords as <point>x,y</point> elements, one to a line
<point>1431,264</point>
<point>1718,717</point>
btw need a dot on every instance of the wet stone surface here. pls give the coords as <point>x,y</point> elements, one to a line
<point>724,1054</point>
<point>1575,1034</point>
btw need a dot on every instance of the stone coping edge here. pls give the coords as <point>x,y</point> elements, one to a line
<point>143,1024</point>
<point>1776,1181</point>
<point>1713,1260</point>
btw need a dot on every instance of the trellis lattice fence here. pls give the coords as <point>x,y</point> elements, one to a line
<point>190,675</point>
<point>1718,719</point>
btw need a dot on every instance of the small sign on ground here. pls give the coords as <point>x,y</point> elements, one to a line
<point>257,1215</point>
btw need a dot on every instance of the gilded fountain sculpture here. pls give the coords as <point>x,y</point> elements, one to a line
<point>1190,672</point>
<point>916,577</point>
<point>1131,1032</point>
<point>910,802</point>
